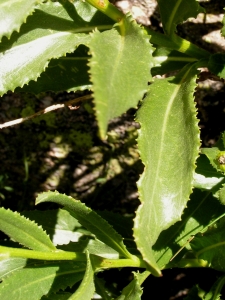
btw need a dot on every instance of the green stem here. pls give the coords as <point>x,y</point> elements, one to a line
<point>188,263</point>
<point>102,263</point>
<point>32,254</point>
<point>107,8</point>
<point>177,43</point>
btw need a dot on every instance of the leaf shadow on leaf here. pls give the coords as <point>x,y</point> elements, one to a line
<point>200,211</point>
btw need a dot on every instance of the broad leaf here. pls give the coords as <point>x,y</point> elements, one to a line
<point>174,12</point>
<point>89,219</point>
<point>87,286</point>
<point>24,231</point>
<point>167,60</point>
<point>216,64</point>
<point>13,14</point>
<point>44,36</point>
<point>9,265</point>
<point>116,53</point>
<point>211,247</point>
<point>46,277</point>
<point>168,120</point>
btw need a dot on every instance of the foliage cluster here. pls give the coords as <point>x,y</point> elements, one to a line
<point>75,45</point>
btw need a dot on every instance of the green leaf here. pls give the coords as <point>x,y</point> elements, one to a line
<point>58,296</point>
<point>119,67</point>
<point>193,294</point>
<point>213,155</point>
<point>59,224</point>
<point>211,247</point>
<point>168,120</point>
<point>87,286</point>
<point>221,195</point>
<point>63,74</point>
<point>13,14</point>
<point>223,29</point>
<point>167,60</point>
<point>206,177</point>
<point>133,290</point>
<point>24,231</point>
<point>89,219</point>
<point>216,64</point>
<point>9,265</point>
<point>46,277</point>
<point>214,293</point>
<point>174,12</point>
<point>202,209</point>
<point>44,36</point>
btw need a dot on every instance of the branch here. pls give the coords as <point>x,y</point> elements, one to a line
<point>46,110</point>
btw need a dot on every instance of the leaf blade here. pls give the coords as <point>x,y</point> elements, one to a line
<point>24,231</point>
<point>166,183</point>
<point>130,52</point>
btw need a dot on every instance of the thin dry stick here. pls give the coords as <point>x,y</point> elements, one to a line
<point>46,110</point>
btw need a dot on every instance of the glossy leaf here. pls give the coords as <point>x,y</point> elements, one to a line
<point>123,50</point>
<point>89,219</point>
<point>59,224</point>
<point>9,265</point>
<point>174,12</point>
<point>211,247</point>
<point>168,118</point>
<point>24,231</point>
<point>13,14</point>
<point>87,286</point>
<point>44,278</point>
<point>44,36</point>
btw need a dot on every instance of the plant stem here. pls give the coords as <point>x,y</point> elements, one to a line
<point>102,263</point>
<point>32,254</point>
<point>189,263</point>
<point>107,8</point>
<point>177,43</point>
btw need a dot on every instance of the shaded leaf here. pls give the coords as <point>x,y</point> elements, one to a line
<point>24,231</point>
<point>211,247</point>
<point>168,118</point>
<point>44,36</point>
<point>87,286</point>
<point>216,64</point>
<point>167,60</point>
<point>133,290</point>
<point>58,296</point>
<point>13,14</point>
<point>89,219</point>
<point>202,209</point>
<point>179,11</point>
<point>215,291</point>
<point>59,224</point>
<point>116,53</point>
<point>46,277</point>
<point>221,195</point>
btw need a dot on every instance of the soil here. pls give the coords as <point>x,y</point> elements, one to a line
<point>62,151</point>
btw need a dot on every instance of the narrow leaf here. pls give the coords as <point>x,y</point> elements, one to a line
<point>89,219</point>
<point>174,12</point>
<point>13,14</point>
<point>87,286</point>
<point>168,118</point>
<point>46,277</point>
<point>44,36</point>
<point>120,64</point>
<point>24,231</point>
